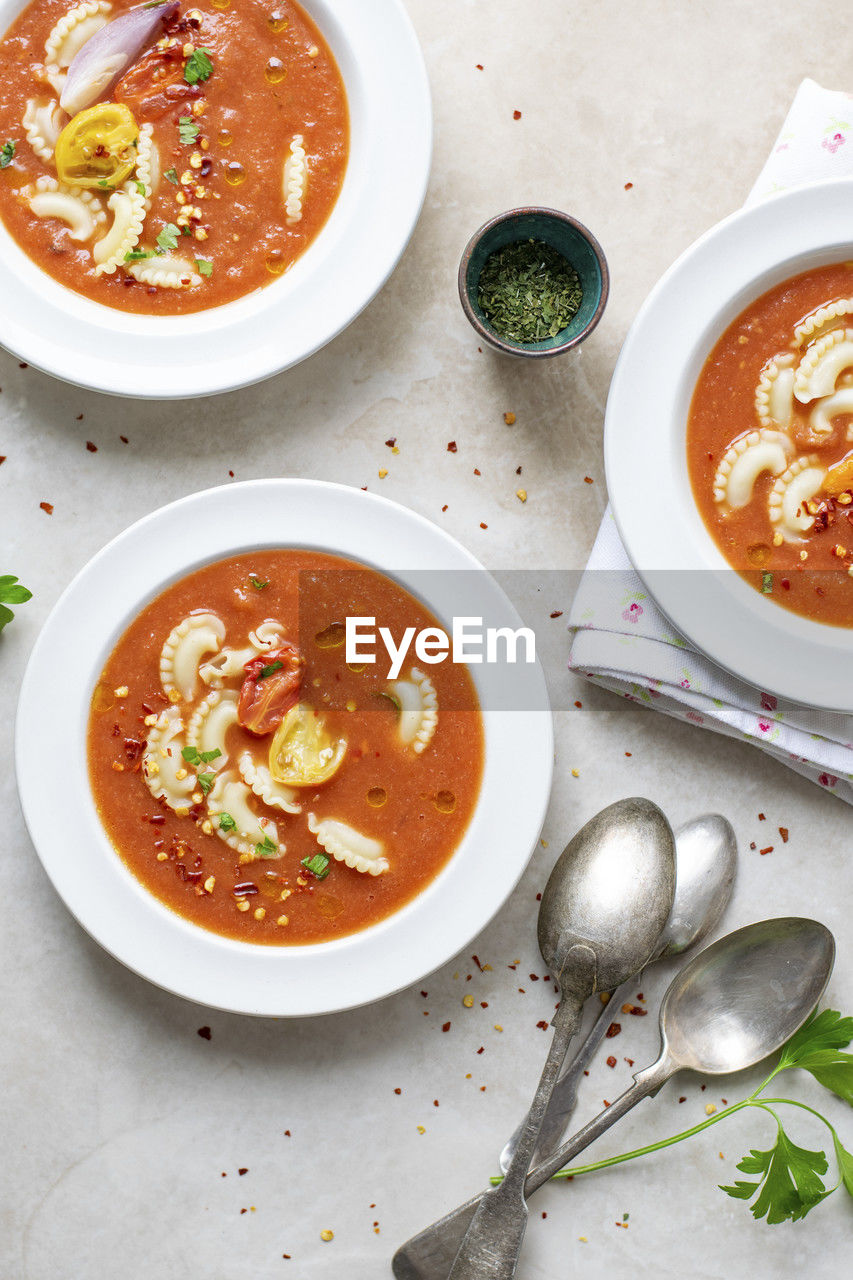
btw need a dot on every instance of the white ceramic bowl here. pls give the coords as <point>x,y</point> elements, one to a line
<point>80,341</point>
<point>103,894</point>
<point>645,455</point>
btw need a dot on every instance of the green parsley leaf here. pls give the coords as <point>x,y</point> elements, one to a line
<point>226,822</point>
<point>205,781</point>
<point>168,237</point>
<point>318,864</point>
<point>11,592</point>
<point>188,130</point>
<point>789,1184</point>
<point>845,1164</point>
<point>267,848</point>
<point>204,266</point>
<point>185,231</point>
<point>270,670</point>
<point>767,584</point>
<point>206,756</point>
<point>141,188</point>
<point>137,255</point>
<point>171,175</point>
<point>191,755</point>
<point>824,1030</point>
<point>7,153</point>
<point>104,185</point>
<point>199,66</point>
<point>259,583</point>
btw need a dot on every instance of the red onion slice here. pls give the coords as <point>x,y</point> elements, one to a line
<point>107,55</point>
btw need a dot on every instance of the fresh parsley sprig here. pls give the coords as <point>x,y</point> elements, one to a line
<point>199,66</point>
<point>11,592</point>
<point>7,153</point>
<point>788,1180</point>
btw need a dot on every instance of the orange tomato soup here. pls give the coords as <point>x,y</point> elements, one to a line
<point>248,159</point>
<point>770,444</point>
<point>379,779</point>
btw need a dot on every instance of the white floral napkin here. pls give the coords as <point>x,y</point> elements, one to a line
<point>622,641</point>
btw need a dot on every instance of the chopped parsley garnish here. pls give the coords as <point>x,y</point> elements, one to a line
<point>270,670</point>
<point>136,255</point>
<point>104,185</point>
<point>193,756</point>
<point>205,781</point>
<point>199,66</point>
<point>204,266</point>
<point>11,592</point>
<point>267,848</point>
<point>168,237</point>
<point>188,130</point>
<point>767,583</point>
<point>7,153</point>
<point>226,822</point>
<point>259,583</point>
<point>318,865</point>
<point>171,175</point>
<point>141,188</point>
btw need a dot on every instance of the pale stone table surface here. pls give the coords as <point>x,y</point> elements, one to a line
<point>118,1120</point>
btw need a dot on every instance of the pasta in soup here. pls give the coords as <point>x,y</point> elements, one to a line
<point>258,784</point>
<point>163,157</point>
<point>770,444</point>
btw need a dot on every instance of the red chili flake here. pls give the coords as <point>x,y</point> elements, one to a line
<point>477,471</point>
<point>287,1133</point>
<point>231,474</point>
<point>224,1175</point>
<point>753,845</point>
<point>484,1004</point>
<point>391,443</point>
<point>786,585</point>
<point>482,1088</point>
<point>205,1033</point>
<point>483,526</point>
<point>607,1104</point>
<point>481,1049</point>
<point>124,439</point>
<point>476,960</point>
<point>286,1255</point>
<point>544,1214</point>
<point>244,1210</point>
<point>611,1061</point>
<point>521,991</point>
<point>451,446</point>
<point>682,1098</point>
<point>246,887</point>
<point>435,1102</point>
<point>3,457</point>
<point>769,849</point>
<point>242,1171</point>
<point>761,817</point>
<point>79,417</point>
<point>634,1010</point>
<point>93,448</point>
<point>543,1025</point>
<point>47,506</point>
<point>539,897</point>
<point>444,508</point>
<point>640,995</point>
<point>613,1030</point>
<point>724,1101</point>
<point>628,186</point>
<point>23,365</point>
<point>558,613</point>
<point>424,994</point>
<point>516,115</point>
<point>702,1088</point>
<point>783,832</point>
<point>587,479</point>
<point>479,66</point>
<point>398,1091</point>
<point>133,749</point>
<point>518,471</point>
<point>630,1061</point>
<point>445,1026</point>
<point>513,967</point>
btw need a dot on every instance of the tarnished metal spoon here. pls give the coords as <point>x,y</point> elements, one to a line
<point>736,1002</point>
<point>705,862</point>
<point>602,912</point>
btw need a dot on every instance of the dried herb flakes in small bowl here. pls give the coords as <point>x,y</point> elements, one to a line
<point>528,291</point>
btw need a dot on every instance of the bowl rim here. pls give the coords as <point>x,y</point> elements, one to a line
<point>114,907</point>
<point>228,347</point>
<point>704,290</point>
<point>505,346</point>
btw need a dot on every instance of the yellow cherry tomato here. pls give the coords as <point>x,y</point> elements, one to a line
<point>303,752</point>
<point>98,147</point>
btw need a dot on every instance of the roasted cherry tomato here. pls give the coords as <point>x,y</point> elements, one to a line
<point>155,84</point>
<point>97,147</point>
<point>270,688</point>
<point>303,752</point>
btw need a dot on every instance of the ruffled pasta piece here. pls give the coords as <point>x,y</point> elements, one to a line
<point>745,460</point>
<point>147,163</point>
<point>347,845</point>
<point>230,662</point>
<point>789,495</point>
<point>818,322</point>
<point>264,785</point>
<point>295,181</point>
<point>164,272</point>
<point>43,122</point>
<point>269,635</point>
<point>230,796</point>
<point>80,210</point>
<point>822,364</point>
<point>774,395</point>
<point>193,638</point>
<point>68,37</point>
<point>418,710</point>
<point>209,726</point>
<point>163,768</point>
<point>128,210</point>
<point>829,407</point>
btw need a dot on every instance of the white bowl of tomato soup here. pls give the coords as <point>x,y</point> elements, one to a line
<point>729,445</point>
<point>225,205</point>
<point>248,813</point>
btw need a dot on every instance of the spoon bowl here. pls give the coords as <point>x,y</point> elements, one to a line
<point>741,998</point>
<point>706,859</point>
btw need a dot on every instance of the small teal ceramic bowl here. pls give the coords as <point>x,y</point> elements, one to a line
<point>565,234</point>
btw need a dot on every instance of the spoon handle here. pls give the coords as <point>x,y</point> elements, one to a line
<point>565,1096</point>
<point>430,1254</point>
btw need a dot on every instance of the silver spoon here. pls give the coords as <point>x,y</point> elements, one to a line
<point>731,1006</point>
<point>602,912</point>
<point>705,861</point>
